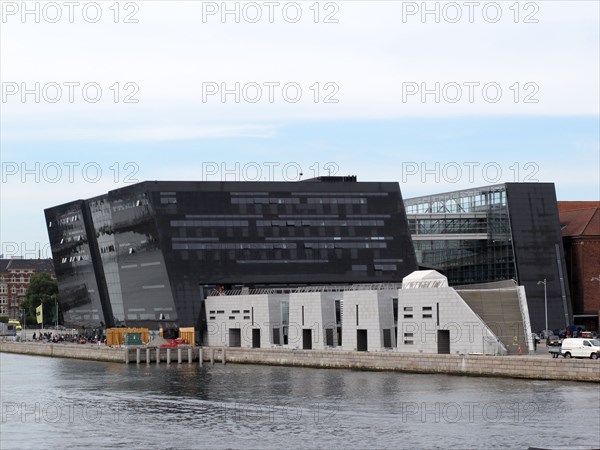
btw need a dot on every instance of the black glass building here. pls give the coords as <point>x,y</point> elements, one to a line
<point>493,233</point>
<point>151,252</point>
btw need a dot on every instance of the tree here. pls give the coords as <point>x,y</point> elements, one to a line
<point>42,290</point>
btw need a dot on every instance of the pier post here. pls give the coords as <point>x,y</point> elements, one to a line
<point>126,355</point>
<point>200,357</point>
<point>168,356</point>
<point>190,354</point>
<point>147,356</point>
<point>138,355</point>
<point>157,355</point>
<point>212,355</point>
<point>223,356</point>
<point>179,355</point>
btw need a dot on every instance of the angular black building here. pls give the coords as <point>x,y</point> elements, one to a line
<point>149,253</point>
<point>493,233</point>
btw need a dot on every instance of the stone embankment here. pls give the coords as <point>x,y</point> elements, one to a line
<point>538,368</point>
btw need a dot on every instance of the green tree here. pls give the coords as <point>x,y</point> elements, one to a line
<point>42,290</point>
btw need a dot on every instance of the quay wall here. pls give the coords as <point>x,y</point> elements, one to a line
<point>76,351</point>
<point>473,365</point>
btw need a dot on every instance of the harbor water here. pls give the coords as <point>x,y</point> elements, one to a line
<point>62,403</point>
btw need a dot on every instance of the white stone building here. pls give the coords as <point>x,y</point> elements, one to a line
<point>424,316</point>
<point>433,318</point>
<point>245,320</point>
<point>368,323</point>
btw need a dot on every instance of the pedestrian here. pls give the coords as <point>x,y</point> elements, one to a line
<point>34,335</point>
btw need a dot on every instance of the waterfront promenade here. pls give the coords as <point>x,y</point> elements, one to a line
<point>541,367</point>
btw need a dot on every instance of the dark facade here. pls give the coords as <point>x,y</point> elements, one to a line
<point>151,251</point>
<point>493,233</point>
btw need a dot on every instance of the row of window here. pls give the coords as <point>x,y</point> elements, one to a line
<point>233,246</point>
<point>13,290</point>
<point>71,259</point>
<point>209,223</point>
<point>264,201</point>
<point>321,223</point>
<point>14,279</point>
<point>65,220</point>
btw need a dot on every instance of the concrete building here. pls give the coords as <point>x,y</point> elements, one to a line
<point>314,320</point>
<point>424,315</point>
<point>245,320</point>
<point>368,323</point>
<point>434,318</point>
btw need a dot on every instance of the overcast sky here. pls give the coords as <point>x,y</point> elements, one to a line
<point>96,96</point>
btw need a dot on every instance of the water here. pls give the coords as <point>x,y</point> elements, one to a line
<point>60,403</point>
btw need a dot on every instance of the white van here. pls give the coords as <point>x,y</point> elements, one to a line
<point>580,348</point>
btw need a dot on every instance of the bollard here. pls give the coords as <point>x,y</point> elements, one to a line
<point>157,355</point>
<point>212,355</point>
<point>168,356</point>
<point>126,355</point>
<point>189,355</point>
<point>179,356</point>
<point>223,356</point>
<point>147,356</point>
<point>138,355</point>
<point>200,357</point>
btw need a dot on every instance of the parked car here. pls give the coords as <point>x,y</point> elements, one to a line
<point>553,340</point>
<point>580,348</point>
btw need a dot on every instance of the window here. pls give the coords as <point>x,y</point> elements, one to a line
<point>427,316</point>
<point>409,342</point>
<point>408,316</point>
<point>235,311</point>
<point>408,308</point>
<point>427,308</point>
<point>408,335</point>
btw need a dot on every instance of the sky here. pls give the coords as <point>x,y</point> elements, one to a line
<point>437,96</point>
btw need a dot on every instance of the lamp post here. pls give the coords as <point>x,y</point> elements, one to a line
<point>545,303</point>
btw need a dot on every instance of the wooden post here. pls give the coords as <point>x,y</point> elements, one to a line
<point>168,356</point>
<point>212,355</point>
<point>157,355</point>
<point>190,354</point>
<point>138,355</point>
<point>179,355</point>
<point>126,355</point>
<point>200,357</point>
<point>223,356</point>
<point>147,356</point>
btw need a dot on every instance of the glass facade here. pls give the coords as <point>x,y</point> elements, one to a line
<point>158,247</point>
<point>465,234</point>
<point>494,233</point>
<point>81,301</point>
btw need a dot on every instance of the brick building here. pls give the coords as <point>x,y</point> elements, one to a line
<point>580,223</point>
<point>14,280</point>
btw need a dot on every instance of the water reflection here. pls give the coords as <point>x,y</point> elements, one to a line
<point>74,404</point>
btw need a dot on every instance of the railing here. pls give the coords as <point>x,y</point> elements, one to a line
<point>307,289</point>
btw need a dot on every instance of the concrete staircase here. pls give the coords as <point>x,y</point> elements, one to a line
<point>499,309</point>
